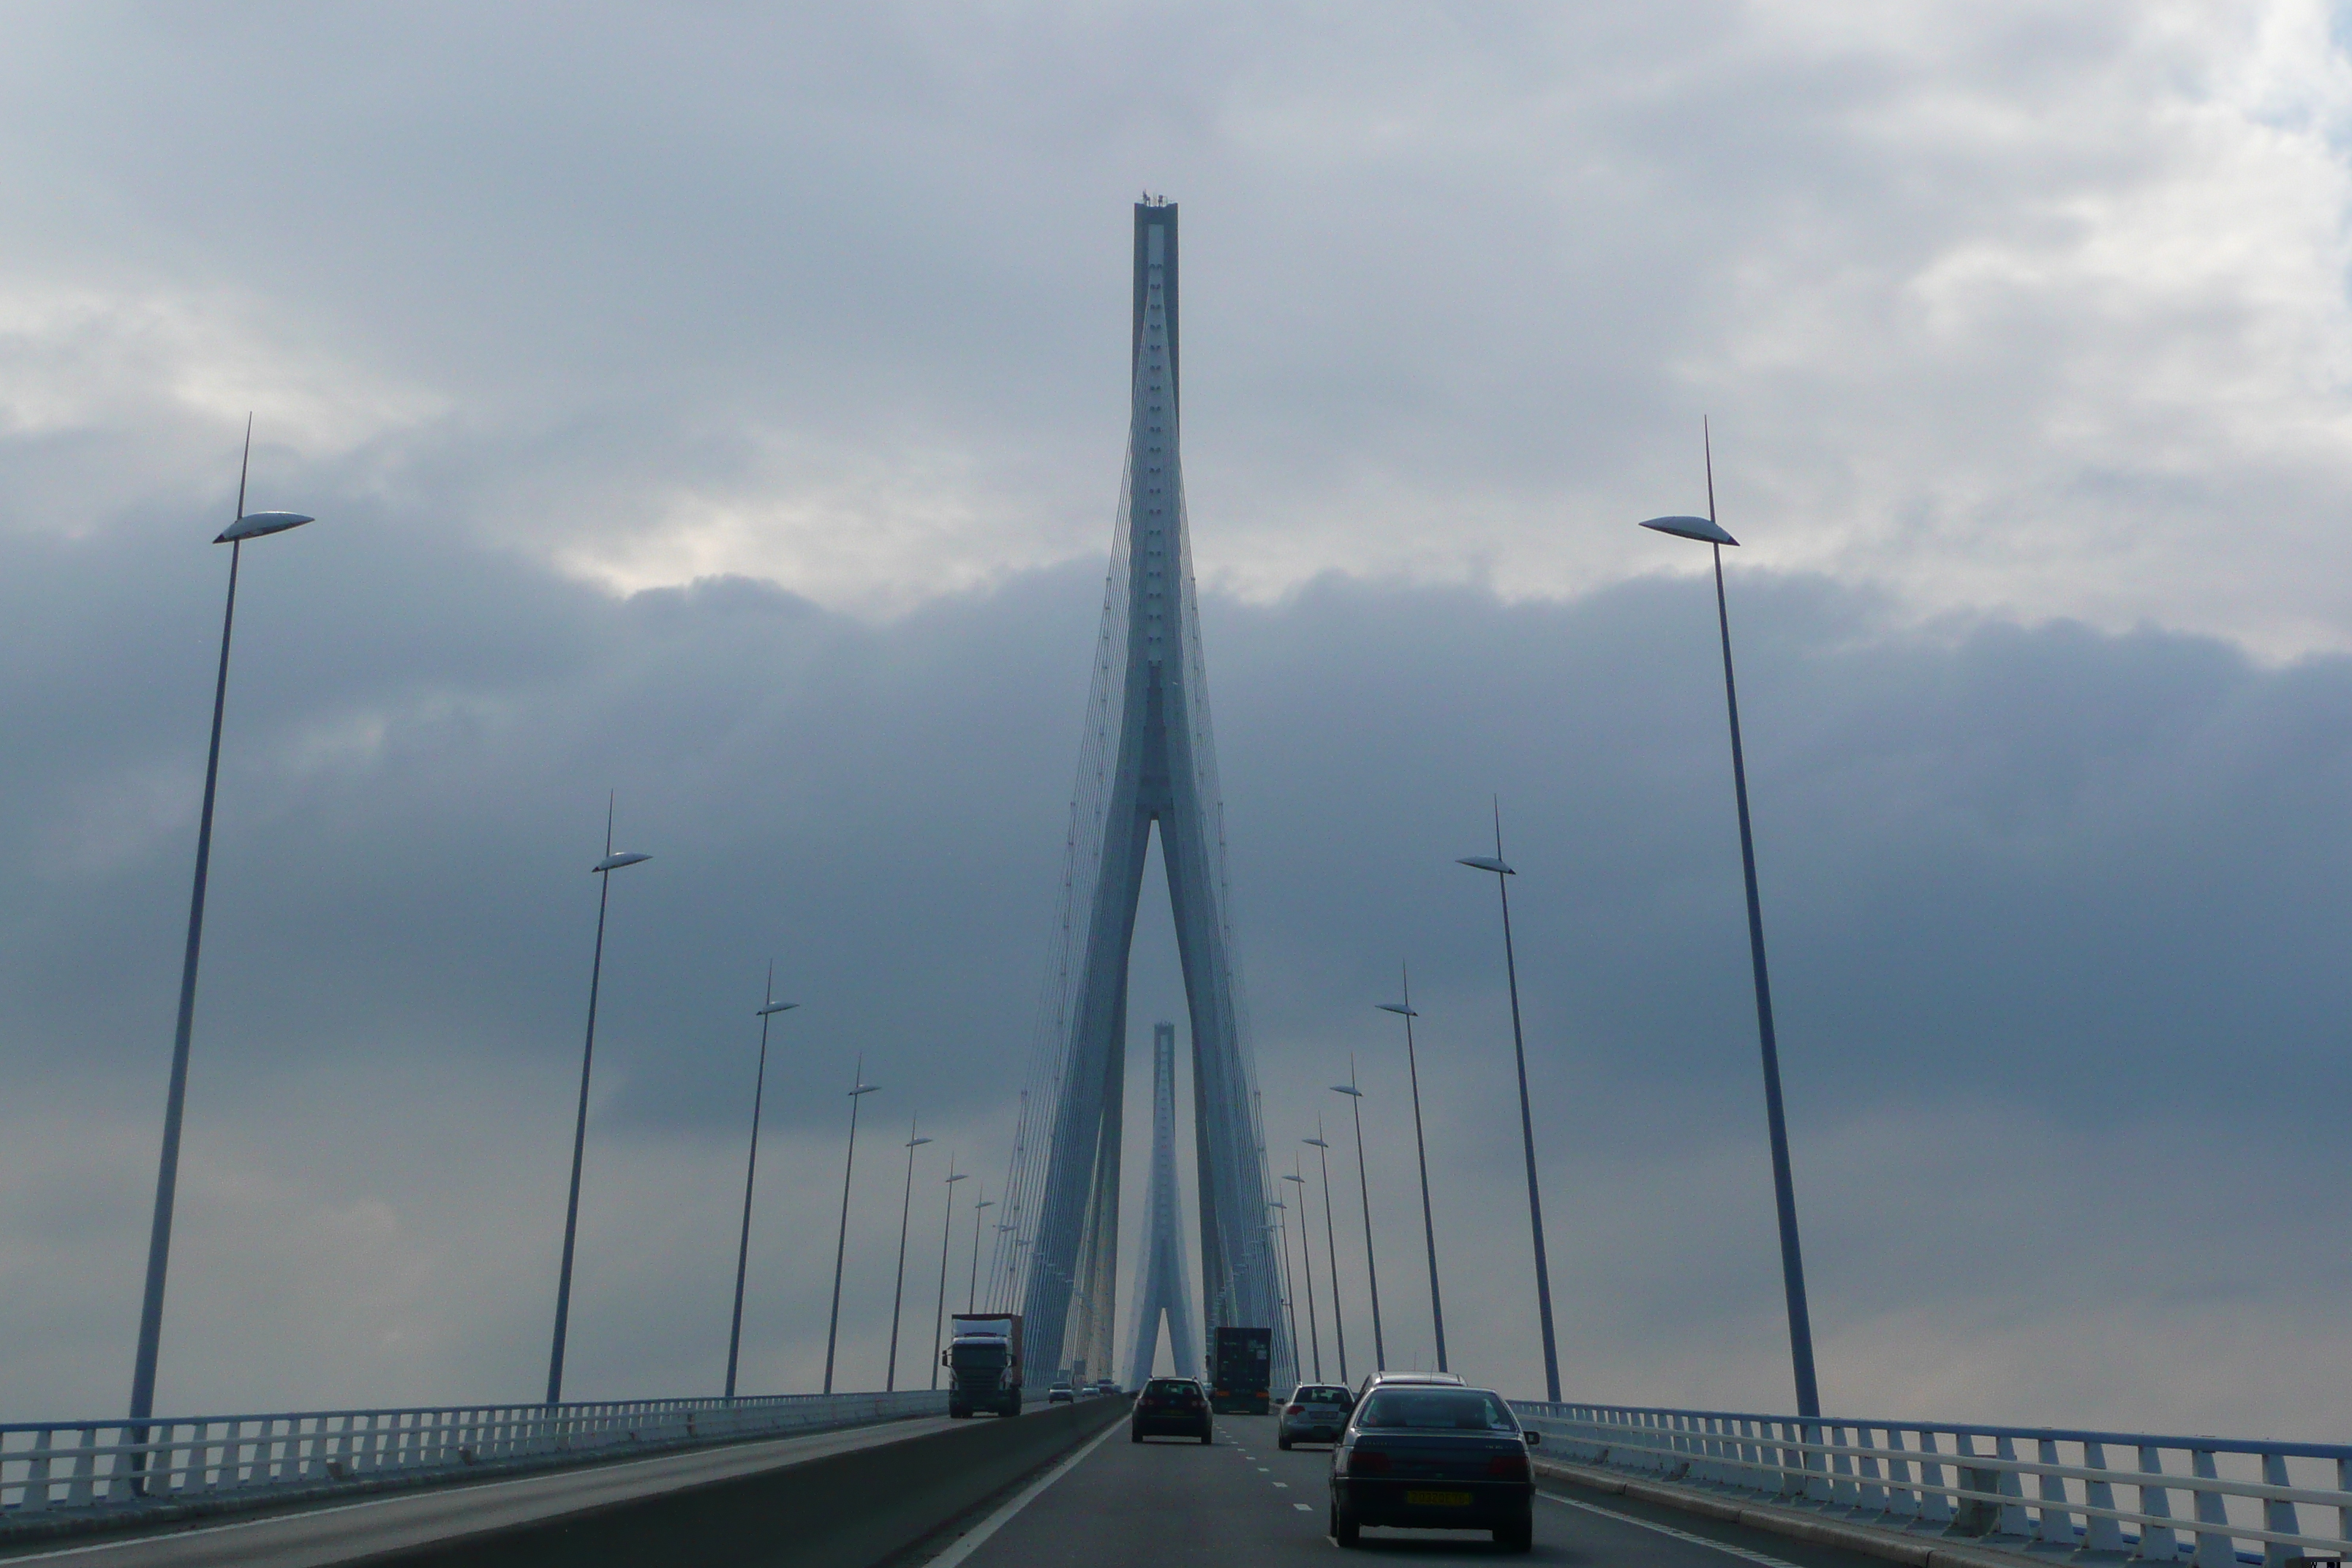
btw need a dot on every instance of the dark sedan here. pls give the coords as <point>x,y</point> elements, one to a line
<point>1434,1459</point>
<point>1171,1407</point>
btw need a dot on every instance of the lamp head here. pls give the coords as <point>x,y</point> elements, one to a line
<point>1300,1180</point>
<point>1487,863</point>
<point>614,862</point>
<point>960,1176</point>
<point>253,524</point>
<point>864,1088</point>
<point>1314,1143</point>
<point>1703,528</point>
<point>775,1007</point>
<point>917,1143</point>
<point>1347,1089</point>
<point>1399,1008</point>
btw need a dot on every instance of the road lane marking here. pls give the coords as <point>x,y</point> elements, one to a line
<point>1302,1507</point>
<point>1768,1560</point>
<point>1284,1485</point>
<point>995,1522</point>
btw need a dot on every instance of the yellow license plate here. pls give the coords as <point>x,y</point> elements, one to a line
<point>1437,1499</point>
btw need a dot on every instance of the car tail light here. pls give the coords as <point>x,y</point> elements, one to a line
<point>1364,1463</point>
<point>1510,1466</point>
<point>1297,1410</point>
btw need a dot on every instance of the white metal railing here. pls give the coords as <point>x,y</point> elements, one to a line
<point>125,1464</point>
<point>2035,1489</point>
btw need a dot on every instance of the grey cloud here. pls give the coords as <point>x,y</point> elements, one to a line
<point>2020,327</point>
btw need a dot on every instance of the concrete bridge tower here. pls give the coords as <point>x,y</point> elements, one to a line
<point>1159,1284</point>
<point>1146,759</point>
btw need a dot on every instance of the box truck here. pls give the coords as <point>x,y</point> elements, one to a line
<point>1240,1371</point>
<point>983,1363</point>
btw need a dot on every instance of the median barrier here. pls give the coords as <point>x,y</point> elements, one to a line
<point>839,1510</point>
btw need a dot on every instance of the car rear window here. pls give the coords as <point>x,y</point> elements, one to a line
<point>1173,1386</point>
<point>1322,1395</point>
<point>1437,1409</point>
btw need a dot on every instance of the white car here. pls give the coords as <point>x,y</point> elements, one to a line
<point>1061,1394</point>
<point>1315,1412</point>
<point>1435,1379</point>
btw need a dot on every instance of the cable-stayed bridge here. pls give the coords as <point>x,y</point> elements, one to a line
<point>892,1478</point>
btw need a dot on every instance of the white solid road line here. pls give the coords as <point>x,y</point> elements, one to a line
<point>979,1534</point>
<point>1767,1559</point>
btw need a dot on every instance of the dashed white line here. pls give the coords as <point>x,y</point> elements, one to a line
<point>1302,1507</point>
<point>1284,1485</point>
<point>1765,1558</point>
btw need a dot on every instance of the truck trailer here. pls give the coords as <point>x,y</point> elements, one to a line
<point>983,1363</point>
<point>1241,1363</point>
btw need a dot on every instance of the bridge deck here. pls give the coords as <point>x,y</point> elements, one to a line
<point>1243,1503</point>
<point>341,1533</point>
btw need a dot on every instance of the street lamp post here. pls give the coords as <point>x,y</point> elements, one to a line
<point>1428,1225</point>
<point>1503,873</point>
<point>604,870</point>
<point>841,1242</point>
<point>971,1289</point>
<point>1306,1258</point>
<point>1332,1243</point>
<point>1707,531</point>
<point>769,1008</point>
<point>947,1228</point>
<point>246,525</point>
<point>899,1289</point>
<point>1364,1191</point>
<point>1281,1229</point>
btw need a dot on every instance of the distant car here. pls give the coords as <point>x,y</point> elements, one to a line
<point>1434,1457</point>
<point>1170,1406</point>
<point>1374,1379</point>
<point>1105,1385</point>
<point>1315,1412</point>
<point>1061,1394</point>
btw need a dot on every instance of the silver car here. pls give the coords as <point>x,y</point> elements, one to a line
<point>1315,1412</point>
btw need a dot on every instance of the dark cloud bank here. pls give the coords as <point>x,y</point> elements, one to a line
<point>2056,918</point>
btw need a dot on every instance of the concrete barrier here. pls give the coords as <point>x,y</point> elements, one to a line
<point>839,1510</point>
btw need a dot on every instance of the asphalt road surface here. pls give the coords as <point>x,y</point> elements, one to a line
<point>1242,1502</point>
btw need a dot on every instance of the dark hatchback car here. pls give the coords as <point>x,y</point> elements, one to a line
<point>1434,1459</point>
<point>1170,1407</point>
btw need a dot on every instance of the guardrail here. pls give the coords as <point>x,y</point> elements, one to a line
<point>107,1465</point>
<point>2240,1501</point>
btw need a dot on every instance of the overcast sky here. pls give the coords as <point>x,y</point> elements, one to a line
<point>724,408</point>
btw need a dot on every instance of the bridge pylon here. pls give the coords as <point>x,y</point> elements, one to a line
<point>1148,760</point>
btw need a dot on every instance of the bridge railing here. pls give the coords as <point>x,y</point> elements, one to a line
<point>2211,1502</point>
<point>100,1464</point>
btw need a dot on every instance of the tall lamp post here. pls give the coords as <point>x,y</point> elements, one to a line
<point>1281,1230</point>
<point>1707,531</point>
<point>898,1290</point>
<point>1428,1225</point>
<point>841,1242</point>
<point>1503,873</point>
<point>769,1008</point>
<point>971,1289</point>
<point>1306,1258</point>
<point>947,1228</point>
<point>1330,1241</point>
<point>1364,1190</point>
<point>246,525</point>
<point>602,869</point>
